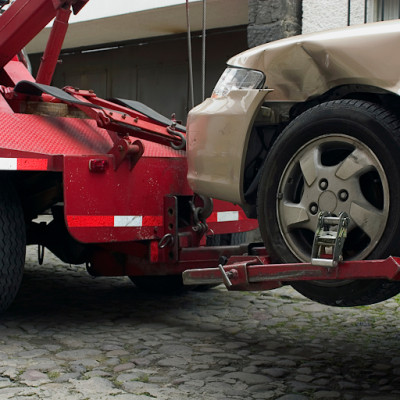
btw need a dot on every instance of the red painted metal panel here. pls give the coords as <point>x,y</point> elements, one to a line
<point>152,220</point>
<point>51,135</point>
<point>140,192</point>
<point>154,251</point>
<point>228,218</point>
<point>94,200</point>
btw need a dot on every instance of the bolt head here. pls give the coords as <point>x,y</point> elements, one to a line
<point>343,195</point>
<point>313,208</point>
<point>323,184</point>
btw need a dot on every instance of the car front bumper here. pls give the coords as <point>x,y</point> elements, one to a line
<point>218,132</point>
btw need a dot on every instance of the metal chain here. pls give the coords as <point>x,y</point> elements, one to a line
<point>200,224</point>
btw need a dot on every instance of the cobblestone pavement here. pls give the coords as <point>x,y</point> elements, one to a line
<point>69,336</point>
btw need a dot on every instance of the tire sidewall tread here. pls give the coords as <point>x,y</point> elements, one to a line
<point>12,244</point>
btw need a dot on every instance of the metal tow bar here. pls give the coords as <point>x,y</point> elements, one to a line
<point>255,272</point>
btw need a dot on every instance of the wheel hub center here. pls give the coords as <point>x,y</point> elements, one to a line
<point>327,201</point>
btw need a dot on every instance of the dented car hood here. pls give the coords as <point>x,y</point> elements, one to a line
<point>302,67</point>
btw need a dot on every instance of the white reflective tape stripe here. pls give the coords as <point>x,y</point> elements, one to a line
<point>226,216</point>
<point>8,164</point>
<point>128,220</point>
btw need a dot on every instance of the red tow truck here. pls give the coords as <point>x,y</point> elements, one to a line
<point>111,172</point>
<point>113,175</point>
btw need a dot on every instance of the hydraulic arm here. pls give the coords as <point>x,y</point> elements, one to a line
<point>33,16</point>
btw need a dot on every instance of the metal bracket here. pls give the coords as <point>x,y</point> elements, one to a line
<point>330,234</point>
<point>169,244</point>
<point>123,150</point>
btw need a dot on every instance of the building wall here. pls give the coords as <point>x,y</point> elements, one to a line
<point>320,15</point>
<point>273,19</point>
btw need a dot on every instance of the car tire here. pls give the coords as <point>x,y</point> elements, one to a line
<point>227,239</point>
<point>338,156</point>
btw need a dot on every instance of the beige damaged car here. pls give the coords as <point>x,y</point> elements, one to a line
<point>308,124</point>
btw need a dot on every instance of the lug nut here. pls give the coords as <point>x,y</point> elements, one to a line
<point>313,208</point>
<point>343,195</point>
<point>323,184</point>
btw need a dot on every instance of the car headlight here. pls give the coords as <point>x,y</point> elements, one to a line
<point>238,78</point>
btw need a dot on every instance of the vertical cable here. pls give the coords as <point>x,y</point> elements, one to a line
<point>191,89</point>
<point>203,53</point>
<point>365,11</point>
<point>348,12</point>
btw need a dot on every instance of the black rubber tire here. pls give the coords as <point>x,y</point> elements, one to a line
<point>379,130</point>
<point>228,239</point>
<point>12,244</point>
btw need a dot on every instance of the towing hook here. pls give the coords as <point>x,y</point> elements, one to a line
<point>206,208</point>
<point>171,130</point>
<point>200,225</point>
<point>201,213</point>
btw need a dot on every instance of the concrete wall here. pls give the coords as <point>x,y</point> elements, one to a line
<point>320,15</point>
<point>273,19</point>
